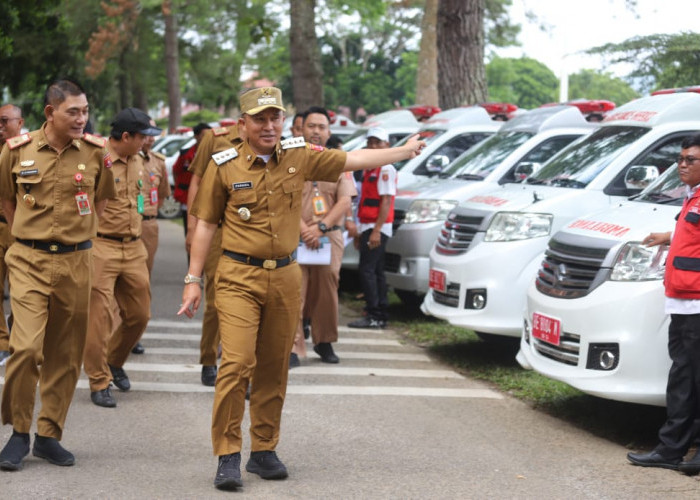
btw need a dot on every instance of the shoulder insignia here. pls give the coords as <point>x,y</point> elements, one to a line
<point>94,140</point>
<point>315,147</point>
<point>18,140</point>
<point>158,155</point>
<point>224,156</point>
<point>293,142</point>
<point>218,131</point>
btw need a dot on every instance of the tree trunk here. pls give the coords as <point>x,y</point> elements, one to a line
<point>305,56</point>
<point>172,68</point>
<point>460,41</point>
<point>427,74</point>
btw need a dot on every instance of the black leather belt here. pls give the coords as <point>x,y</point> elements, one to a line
<point>55,247</point>
<point>148,217</point>
<point>123,239</point>
<point>3,219</point>
<point>264,263</point>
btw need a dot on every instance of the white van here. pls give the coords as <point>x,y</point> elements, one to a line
<point>421,208</point>
<point>595,313</point>
<point>398,123</point>
<point>492,245</point>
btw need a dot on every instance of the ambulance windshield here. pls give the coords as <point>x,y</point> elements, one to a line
<point>479,161</point>
<point>667,189</point>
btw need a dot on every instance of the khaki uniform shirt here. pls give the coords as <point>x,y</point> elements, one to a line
<point>121,217</point>
<point>49,178</point>
<point>155,176</point>
<point>331,191</point>
<point>270,192</point>
<point>213,141</point>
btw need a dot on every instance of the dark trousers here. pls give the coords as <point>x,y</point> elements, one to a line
<point>683,388</point>
<point>372,277</point>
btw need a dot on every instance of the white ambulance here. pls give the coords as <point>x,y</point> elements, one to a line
<point>595,313</point>
<point>491,246</point>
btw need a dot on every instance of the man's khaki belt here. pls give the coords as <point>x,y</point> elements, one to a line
<point>264,263</point>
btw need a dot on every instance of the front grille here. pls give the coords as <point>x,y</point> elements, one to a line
<point>399,217</point>
<point>566,352</point>
<point>391,262</point>
<point>573,266</point>
<point>457,233</point>
<point>451,296</point>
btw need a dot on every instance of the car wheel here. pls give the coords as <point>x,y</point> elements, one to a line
<point>170,208</point>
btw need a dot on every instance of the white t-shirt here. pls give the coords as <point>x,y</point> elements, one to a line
<point>386,185</point>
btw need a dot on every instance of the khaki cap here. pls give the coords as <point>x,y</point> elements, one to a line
<point>256,100</point>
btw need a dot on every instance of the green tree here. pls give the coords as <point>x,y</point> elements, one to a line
<point>590,84</point>
<point>524,81</point>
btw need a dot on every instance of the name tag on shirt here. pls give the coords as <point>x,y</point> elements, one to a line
<point>242,185</point>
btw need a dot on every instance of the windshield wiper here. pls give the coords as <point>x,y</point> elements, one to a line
<point>470,177</point>
<point>532,180</point>
<point>669,200</point>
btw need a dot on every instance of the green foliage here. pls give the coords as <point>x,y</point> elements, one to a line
<point>524,81</point>
<point>498,30</point>
<point>204,115</point>
<point>590,84</point>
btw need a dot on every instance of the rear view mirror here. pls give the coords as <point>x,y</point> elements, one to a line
<point>437,163</point>
<point>640,176</point>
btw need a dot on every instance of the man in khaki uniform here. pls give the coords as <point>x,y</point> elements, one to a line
<point>11,123</point>
<point>53,184</point>
<point>217,140</point>
<point>119,263</point>
<point>257,194</point>
<point>323,209</point>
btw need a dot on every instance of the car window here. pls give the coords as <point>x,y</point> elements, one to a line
<point>451,149</point>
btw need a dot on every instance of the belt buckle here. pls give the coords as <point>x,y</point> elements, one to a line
<point>53,248</point>
<point>270,264</point>
<point>127,239</point>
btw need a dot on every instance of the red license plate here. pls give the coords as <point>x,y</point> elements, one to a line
<point>437,280</point>
<point>546,328</point>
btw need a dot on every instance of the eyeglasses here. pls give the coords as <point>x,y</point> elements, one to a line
<point>5,119</point>
<point>688,159</point>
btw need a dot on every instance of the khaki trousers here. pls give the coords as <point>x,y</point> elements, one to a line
<point>209,343</point>
<point>319,298</point>
<point>258,313</point>
<point>5,242</point>
<point>149,236</point>
<point>50,295</point>
<point>119,274</point>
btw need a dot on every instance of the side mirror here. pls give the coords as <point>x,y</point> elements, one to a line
<point>640,176</point>
<point>526,169</point>
<point>437,163</point>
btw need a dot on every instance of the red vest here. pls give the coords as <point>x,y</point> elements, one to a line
<point>182,176</point>
<point>682,278</point>
<point>369,201</point>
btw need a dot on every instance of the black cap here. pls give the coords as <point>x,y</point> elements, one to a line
<point>134,121</point>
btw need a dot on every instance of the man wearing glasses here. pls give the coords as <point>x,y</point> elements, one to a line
<point>682,284</point>
<point>11,123</point>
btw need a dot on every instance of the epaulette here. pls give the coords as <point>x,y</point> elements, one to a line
<point>224,156</point>
<point>94,140</point>
<point>293,142</point>
<point>158,155</point>
<point>18,140</point>
<point>219,131</point>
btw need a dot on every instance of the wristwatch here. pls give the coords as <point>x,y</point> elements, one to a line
<point>322,227</point>
<point>191,278</point>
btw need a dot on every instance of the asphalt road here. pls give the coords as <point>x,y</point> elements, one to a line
<point>387,422</point>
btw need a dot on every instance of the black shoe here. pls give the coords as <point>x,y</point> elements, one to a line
<point>15,450</point>
<point>138,349</point>
<point>50,449</point>
<point>120,379</point>
<point>691,467</point>
<point>266,465</point>
<point>4,355</point>
<point>294,360</point>
<point>325,350</point>
<point>653,459</point>
<point>306,324</point>
<point>209,375</point>
<point>366,322</point>
<point>228,473</point>
<point>103,398</point>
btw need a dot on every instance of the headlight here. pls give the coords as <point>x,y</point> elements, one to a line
<point>510,226</point>
<point>637,262</point>
<point>428,211</point>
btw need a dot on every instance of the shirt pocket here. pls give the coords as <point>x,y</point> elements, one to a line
<point>292,193</point>
<point>244,197</point>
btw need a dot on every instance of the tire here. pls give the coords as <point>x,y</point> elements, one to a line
<point>170,208</point>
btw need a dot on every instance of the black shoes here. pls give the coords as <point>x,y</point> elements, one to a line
<point>138,349</point>
<point>653,459</point>
<point>294,360</point>
<point>367,322</point>
<point>266,465</point>
<point>120,379</point>
<point>103,398</point>
<point>228,473</point>
<point>325,350</point>
<point>209,375</point>
<point>50,449</point>
<point>306,326</point>
<point>15,450</point>
<point>691,467</point>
